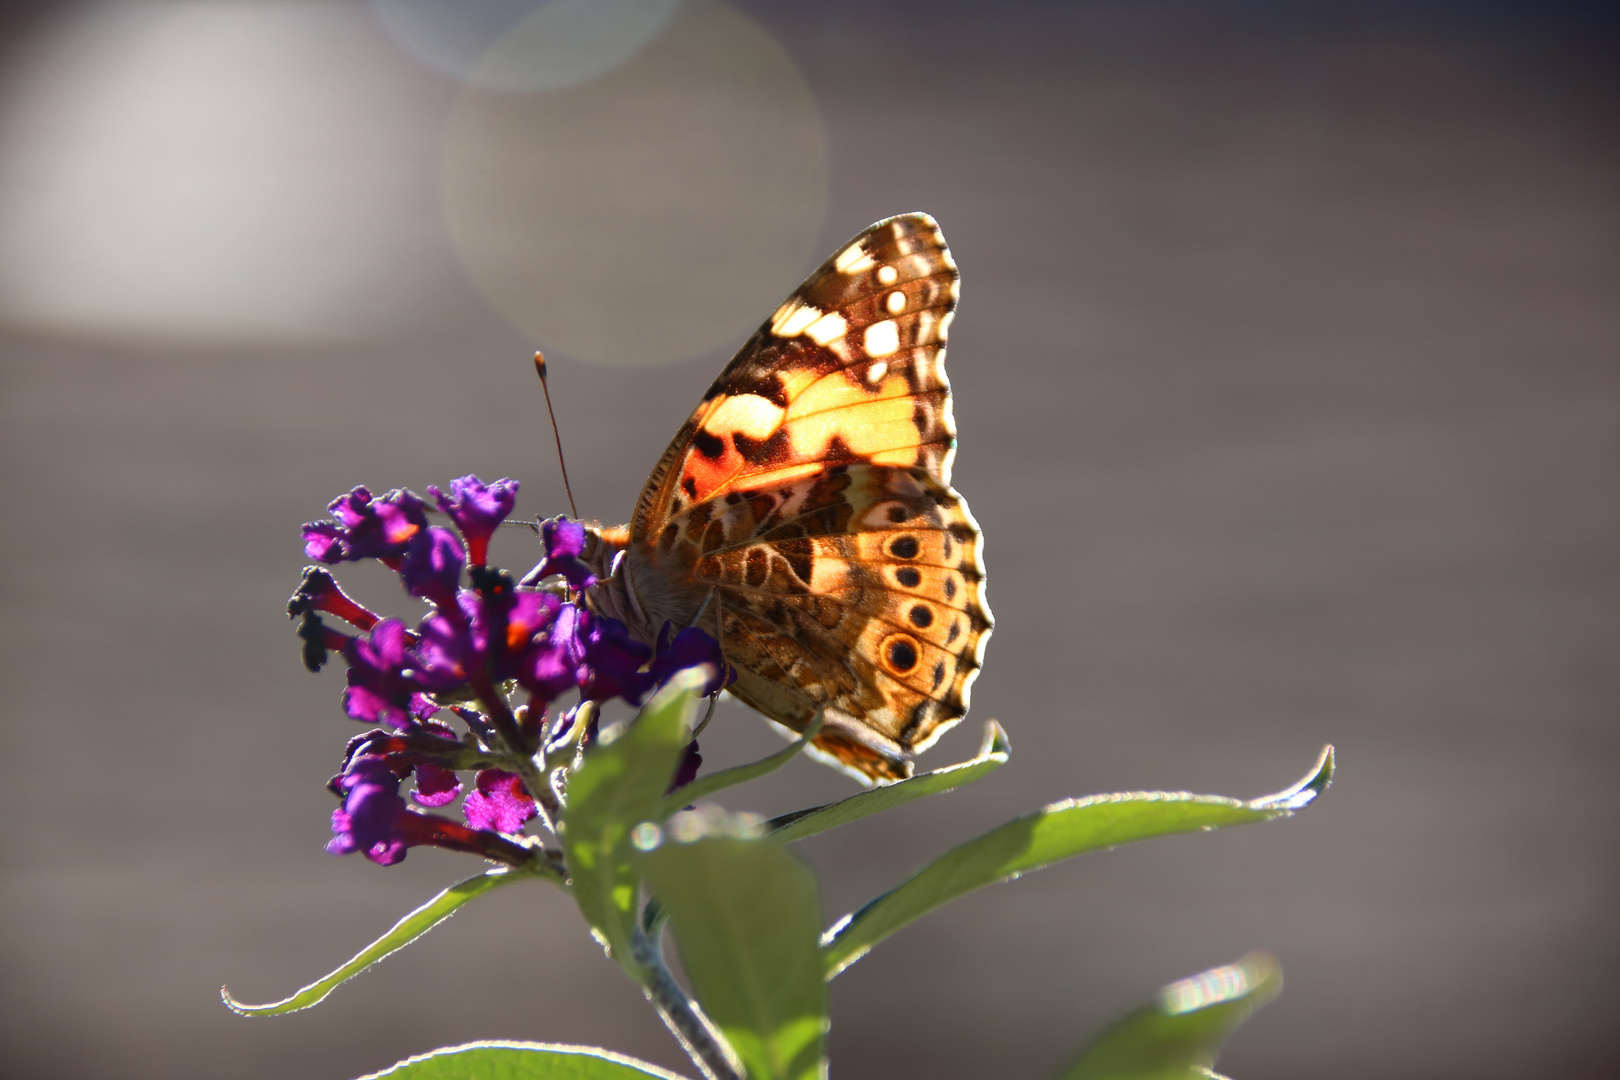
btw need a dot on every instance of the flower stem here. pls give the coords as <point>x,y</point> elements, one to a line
<point>693,1030</point>
<point>505,729</point>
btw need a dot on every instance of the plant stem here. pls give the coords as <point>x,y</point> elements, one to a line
<point>685,1020</point>
<point>510,739</point>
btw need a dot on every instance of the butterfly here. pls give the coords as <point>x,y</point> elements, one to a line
<point>804,514</point>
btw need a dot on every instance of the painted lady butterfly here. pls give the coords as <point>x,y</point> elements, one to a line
<point>804,514</point>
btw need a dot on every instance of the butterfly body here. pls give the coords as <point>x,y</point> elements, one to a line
<point>804,515</point>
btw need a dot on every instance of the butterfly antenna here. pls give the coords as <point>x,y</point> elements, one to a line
<point>540,370</point>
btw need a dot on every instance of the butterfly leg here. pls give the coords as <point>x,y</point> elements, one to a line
<point>720,639</point>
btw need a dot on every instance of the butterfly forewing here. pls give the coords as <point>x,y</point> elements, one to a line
<point>848,368</point>
<point>808,497</point>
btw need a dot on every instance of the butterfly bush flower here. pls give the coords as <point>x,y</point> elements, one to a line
<point>488,652</point>
<point>477,510</point>
<point>564,542</point>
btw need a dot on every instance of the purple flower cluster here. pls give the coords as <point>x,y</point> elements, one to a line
<point>480,642</point>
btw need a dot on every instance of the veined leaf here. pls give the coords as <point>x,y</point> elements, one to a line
<point>522,1061</point>
<point>1060,831</point>
<point>407,930</point>
<point>802,823</point>
<point>1179,1035</point>
<point>747,917</point>
<point>617,785</point>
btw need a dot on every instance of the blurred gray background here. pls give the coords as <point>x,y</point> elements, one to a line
<point>1288,380</point>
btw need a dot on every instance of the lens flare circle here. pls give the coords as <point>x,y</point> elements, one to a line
<point>523,46</point>
<point>649,215</point>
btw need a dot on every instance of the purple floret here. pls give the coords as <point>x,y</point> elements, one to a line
<point>477,510</point>
<point>563,542</point>
<point>615,659</point>
<point>555,662</point>
<point>369,817</point>
<point>499,803</point>
<point>689,648</point>
<point>366,527</point>
<point>431,565</point>
<point>435,784</point>
<point>379,690</point>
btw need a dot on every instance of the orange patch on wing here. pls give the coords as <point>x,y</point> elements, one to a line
<point>796,381</point>
<point>708,474</point>
<point>842,389</point>
<point>868,421</point>
<point>773,477</point>
<point>747,414</point>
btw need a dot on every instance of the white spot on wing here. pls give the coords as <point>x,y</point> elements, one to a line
<point>888,275</point>
<point>875,373</point>
<point>830,327</point>
<point>853,260</point>
<point>882,338</point>
<point>896,302</point>
<point>792,318</point>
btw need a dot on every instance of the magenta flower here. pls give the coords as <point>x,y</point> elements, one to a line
<point>366,527</point>
<point>368,819</point>
<point>476,645</point>
<point>430,567</point>
<point>499,803</point>
<point>381,686</point>
<point>563,542</point>
<point>477,510</point>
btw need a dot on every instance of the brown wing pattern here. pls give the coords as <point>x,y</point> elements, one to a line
<point>809,495</point>
<point>858,593</point>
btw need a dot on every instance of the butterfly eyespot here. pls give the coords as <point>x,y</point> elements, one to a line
<point>905,547</point>
<point>921,616</point>
<point>901,652</point>
<point>898,514</point>
<point>908,576</point>
<point>950,587</point>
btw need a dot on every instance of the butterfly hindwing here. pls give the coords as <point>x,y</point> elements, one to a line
<point>858,592</point>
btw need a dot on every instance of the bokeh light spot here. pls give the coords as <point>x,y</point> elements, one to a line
<point>649,215</point>
<point>523,46</point>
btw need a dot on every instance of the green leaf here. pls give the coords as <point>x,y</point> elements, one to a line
<point>1060,831</point>
<point>522,1061</point>
<point>619,784</point>
<point>802,823</point>
<point>407,930</point>
<point>704,786</point>
<point>747,917</point>
<point>1179,1035</point>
